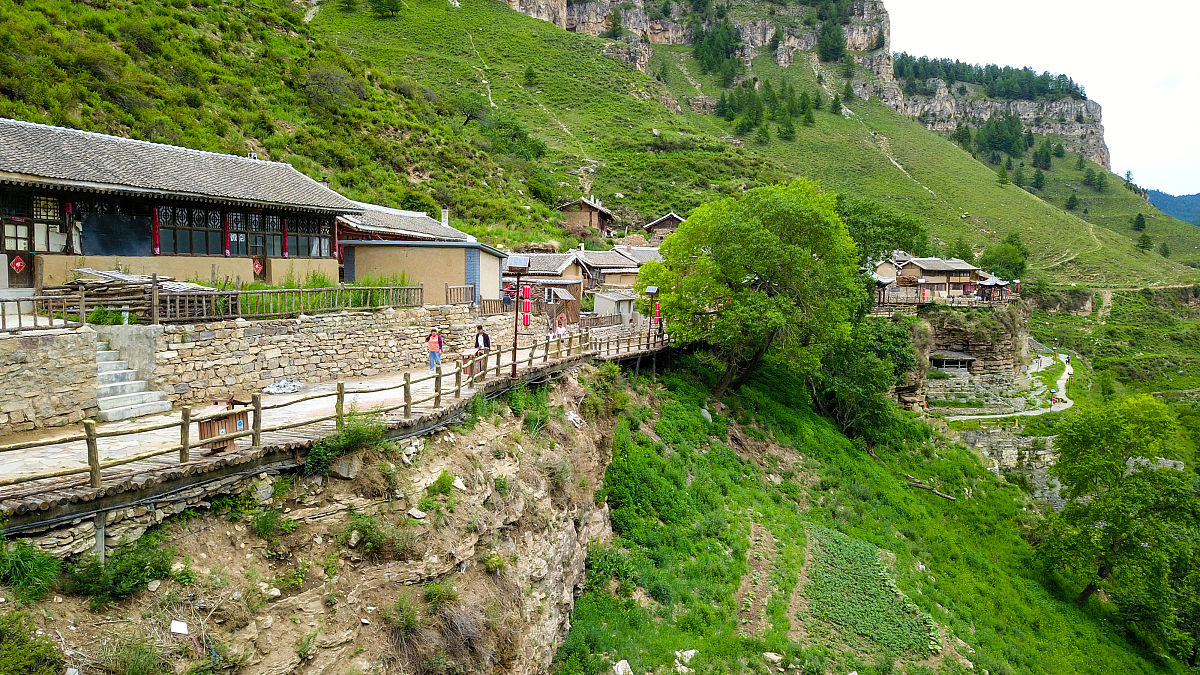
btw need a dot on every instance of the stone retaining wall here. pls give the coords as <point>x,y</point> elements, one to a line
<point>196,362</point>
<point>47,379</point>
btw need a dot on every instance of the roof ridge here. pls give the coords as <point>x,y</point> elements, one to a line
<point>138,141</point>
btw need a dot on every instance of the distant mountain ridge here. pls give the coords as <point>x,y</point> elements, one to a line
<point>1183,207</point>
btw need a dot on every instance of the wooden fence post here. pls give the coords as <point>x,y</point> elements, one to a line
<point>408,394</point>
<point>499,353</point>
<point>185,430</point>
<point>532,349</point>
<point>82,308</point>
<point>93,452</point>
<point>437,387</point>
<point>154,298</point>
<point>256,436</point>
<point>458,380</point>
<point>546,354</point>
<point>340,406</point>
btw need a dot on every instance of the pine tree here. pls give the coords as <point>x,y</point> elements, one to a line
<point>1128,178</point>
<point>1101,182</point>
<point>1039,179</point>
<point>835,106</point>
<point>1072,202</point>
<point>1089,177</point>
<point>722,106</point>
<point>805,102</point>
<point>1060,151</point>
<point>1139,223</point>
<point>848,67</point>
<point>787,130</point>
<point>1079,162</point>
<point>1164,250</point>
<point>530,76</point>
<point>1028,139</point>
<point>809,120</point>
<point>818,102</point>
<point>831,45</point>
<point>848,92</point>
<point>1145,243</point>
<point>962,250</point>
<point>1018,177</point>
<point>615,26</point>
<point>1009,164</point>
<point>762,136</point>
<point>1002,177</point>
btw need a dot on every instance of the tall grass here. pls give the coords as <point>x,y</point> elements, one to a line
<point>28,571</point>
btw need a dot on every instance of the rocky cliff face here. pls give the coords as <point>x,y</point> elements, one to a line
<point>1079,122</point>
<point>868,38</point>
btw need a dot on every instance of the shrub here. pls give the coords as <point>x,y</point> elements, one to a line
<point>28,571</point>
<point>404,618</point>
<point>269,522</point>
<point>378,537</point>
<point>442,485</point>
<point>360,430</point>
<point>24,653</point>
<point>126,572</point>
<point>501,483</point>
<point>439,595</point>
<point>133,656</point>
<point>493,563</point>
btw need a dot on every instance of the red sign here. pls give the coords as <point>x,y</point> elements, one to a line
<point>17,264</point>
<point>257,266</point>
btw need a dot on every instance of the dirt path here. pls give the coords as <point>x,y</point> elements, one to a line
<point>1106,305</point>
<point>798,604</point>
<point>1060,386</point>
<point>755,589</point>
<point>312,11</point>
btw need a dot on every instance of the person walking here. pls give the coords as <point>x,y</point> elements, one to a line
<point>435,349</point>
<point>483,341</point>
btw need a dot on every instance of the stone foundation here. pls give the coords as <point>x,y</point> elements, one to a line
<point>47,379</point>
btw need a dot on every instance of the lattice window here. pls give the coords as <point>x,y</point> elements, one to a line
<point>47,209</point>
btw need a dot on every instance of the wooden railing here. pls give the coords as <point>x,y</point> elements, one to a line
<point>599,321</point>
<point>460,295</point>
<point>629,344</point>
<point>491,308</point>
<point>465,374</point>
<point>39,312</point>
<point>279,302</point>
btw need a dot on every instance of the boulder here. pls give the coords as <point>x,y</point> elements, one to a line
<point>346,467</point>
<point>622,668</point>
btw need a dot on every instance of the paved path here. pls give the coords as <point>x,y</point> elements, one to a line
<point>55,456</point>
<point>1060,388</point>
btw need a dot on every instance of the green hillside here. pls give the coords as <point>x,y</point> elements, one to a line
<point>642,159</point>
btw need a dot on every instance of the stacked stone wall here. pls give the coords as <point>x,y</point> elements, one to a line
<point>196,362</point>
<point>47,379</point>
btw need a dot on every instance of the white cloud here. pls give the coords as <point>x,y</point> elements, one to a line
<point>1136,60</point>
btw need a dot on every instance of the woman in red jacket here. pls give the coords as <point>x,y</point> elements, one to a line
<point>434,341</point>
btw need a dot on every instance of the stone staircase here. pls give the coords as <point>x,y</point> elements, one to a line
<point>120,394</point>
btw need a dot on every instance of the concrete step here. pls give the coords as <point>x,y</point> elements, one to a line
<point>129,386</point>
<point>106,355</point>
<point>109,366</point>
<point>101,345</point>
<point>104,378</point>
<point>129,411</point>
<point>123,400</point>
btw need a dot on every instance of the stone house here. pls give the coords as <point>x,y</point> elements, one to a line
<point>441,267</point>
<point>588,212</point>
<point>657,230</point>
<point>930,277</point>
<point>608,268</point>
<point>71,199</point>
<point>557,280</point>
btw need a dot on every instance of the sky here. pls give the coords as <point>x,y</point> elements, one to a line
<point>1137,60</point>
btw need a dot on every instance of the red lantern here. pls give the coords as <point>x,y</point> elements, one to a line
<point>525,319</point>
<point>526,306</point>
<point>525,293</point>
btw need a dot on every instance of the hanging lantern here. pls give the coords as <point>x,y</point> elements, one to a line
<point>526,306</point>
<point>525,293</point>
<point>525,320</point>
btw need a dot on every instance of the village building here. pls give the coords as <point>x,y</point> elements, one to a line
<point>557,280</point>
<point>608,268</point>
<point>588,212</point>
<point>658,229</point>
<point>617,301</point>
<point>641,254</point>
<point>71,199</point>
<point>393,246</point>
<point>928,278</point>
<point>384,246</point>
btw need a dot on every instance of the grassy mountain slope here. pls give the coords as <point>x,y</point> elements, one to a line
<point>765,530</point>
<point>239,76</point>
<point>1116,207</point>
<point>597,113</point>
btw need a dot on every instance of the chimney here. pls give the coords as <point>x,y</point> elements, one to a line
<point>581,246</point>
<point>252,155</point>
<point>628,247</point>
<point>446,217</point>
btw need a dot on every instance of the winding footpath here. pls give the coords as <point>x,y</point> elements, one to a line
<point>1060,389</point>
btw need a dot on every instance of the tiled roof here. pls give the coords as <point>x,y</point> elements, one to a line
<point>40,154</point>
<point>607,260</point>
<point>678,218</point>
<point>382,219</point>
<point>642,254</point>
<point>549,263</point>
<point>587,201</point>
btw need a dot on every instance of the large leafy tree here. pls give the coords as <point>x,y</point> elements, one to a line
<point>1131,526</point>
<point>773,270</point>
<point>878,231</point>
<point>1006,259</point>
